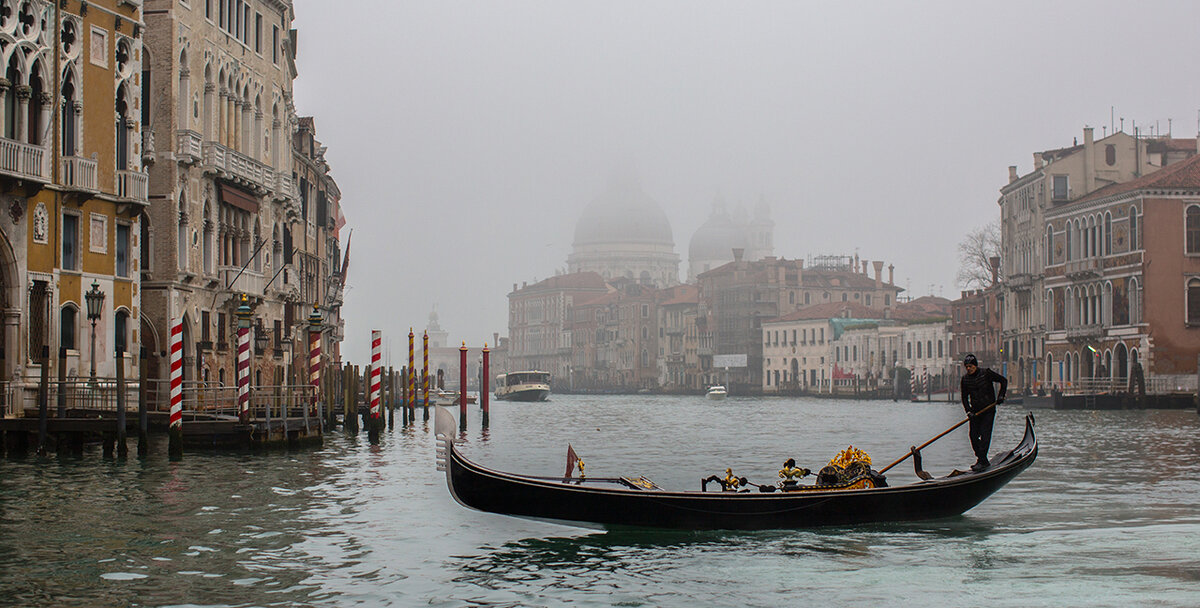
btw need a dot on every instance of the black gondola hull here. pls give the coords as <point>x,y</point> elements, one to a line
<point>608,503</point>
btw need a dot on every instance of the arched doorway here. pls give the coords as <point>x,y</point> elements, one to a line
<point>10,343</point>
<point>155,368</point>
<point>1122,370</point>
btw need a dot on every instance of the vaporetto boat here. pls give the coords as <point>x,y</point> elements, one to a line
<point>530,385</point>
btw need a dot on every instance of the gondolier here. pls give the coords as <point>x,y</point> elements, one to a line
<point>978,395</point>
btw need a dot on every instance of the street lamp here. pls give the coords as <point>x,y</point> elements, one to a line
<point>94,299</point>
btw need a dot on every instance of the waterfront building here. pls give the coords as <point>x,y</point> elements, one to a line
<point>624,233</point>
<point>925,351</point>
<point>713,242</point>
<point>1122,285</point>
<point>538,322</point>
<point>679,364</point>
<point>975,327</point>
<point>228,216</point>
<point>315,248</point>
<point>73,175</point>
<point>1059,177</point>
<point>737,297</point>
<point>798,348</point>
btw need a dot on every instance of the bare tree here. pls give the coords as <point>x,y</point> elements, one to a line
<point>974,254</point>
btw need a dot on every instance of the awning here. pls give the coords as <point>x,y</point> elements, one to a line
<point>238,198</point>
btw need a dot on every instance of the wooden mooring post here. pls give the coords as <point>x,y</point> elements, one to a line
<point>462,387</point>
<point>350,405</point>
<point>483,385</point>
<point>122,446</point>
<point>404,395</point>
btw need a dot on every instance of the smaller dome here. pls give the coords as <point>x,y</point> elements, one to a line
<point>717,237</point>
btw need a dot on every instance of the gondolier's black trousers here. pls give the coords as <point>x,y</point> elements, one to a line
<point>980,430</point>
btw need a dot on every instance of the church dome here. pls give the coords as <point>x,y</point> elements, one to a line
<point>716,238</point>
<point>623,214</point>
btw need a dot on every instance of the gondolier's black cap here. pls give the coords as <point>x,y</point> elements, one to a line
<point>970,360</point>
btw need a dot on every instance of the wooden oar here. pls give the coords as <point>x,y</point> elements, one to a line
<point>942,434</point>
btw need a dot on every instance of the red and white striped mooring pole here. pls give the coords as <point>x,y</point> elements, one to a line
<point>314,355</point>
<point>376,360</point>
<point>375,374</point>
<point>175,431</point>
<point>243,360</point>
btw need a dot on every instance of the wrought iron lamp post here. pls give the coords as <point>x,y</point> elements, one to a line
<point>94,299</point>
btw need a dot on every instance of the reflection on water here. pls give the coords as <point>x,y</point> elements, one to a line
<point>1106,516</point>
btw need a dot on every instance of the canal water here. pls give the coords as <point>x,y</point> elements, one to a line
<point>1107,516</point>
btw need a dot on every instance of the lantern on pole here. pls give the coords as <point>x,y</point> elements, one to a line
<point>95,300</point>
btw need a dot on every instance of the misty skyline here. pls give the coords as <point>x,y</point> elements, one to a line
<point>468,139</point>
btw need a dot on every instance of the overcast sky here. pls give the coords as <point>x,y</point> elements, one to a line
<point>467,137</point>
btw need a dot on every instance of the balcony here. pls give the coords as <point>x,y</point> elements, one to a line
<point>250,282</point>
<point>79,173</point>
<point>24,161</point>
<point>188,147</point>
<point>237,167</point>
<point>1082,269</point>
<point>1020,281</point>
<point>285,187</point>
<point>133,185</point>
<point>1085,333</point>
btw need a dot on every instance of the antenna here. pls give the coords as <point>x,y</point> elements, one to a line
<point>1112,110</point>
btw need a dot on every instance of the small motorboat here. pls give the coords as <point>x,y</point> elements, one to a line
<point>717,393</point>
<point>857,494</point>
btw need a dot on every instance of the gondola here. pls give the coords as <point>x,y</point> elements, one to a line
<point>623,501</point>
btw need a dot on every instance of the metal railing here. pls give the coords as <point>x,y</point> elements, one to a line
<point>1155,385</point>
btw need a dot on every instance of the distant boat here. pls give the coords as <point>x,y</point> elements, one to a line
<point>717,393</point>
<point>523,386</point>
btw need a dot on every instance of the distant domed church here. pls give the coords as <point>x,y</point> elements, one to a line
<point>714,241</point>
<point>625,234</point>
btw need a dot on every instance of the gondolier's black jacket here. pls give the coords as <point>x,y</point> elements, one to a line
<point>977,390</point>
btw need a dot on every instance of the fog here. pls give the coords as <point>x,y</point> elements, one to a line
<point>467,138</point>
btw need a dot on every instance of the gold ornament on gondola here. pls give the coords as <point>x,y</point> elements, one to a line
<point>792,473</point>
<point>849,455</point>
<point>731,481</point>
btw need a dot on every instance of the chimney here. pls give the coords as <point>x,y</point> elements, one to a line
<point>514,286</point>
<point>891,274</point>
<point>963,296</point>
<point>1089,158</point>
<point>864,267</point>
<point>1198,143</point>
<point>1037,160</point>
<point>878,273</point>
<point>994,261</point>
<point>1012,172</point>
<point>737,254</point>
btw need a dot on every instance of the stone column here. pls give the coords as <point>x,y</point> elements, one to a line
<point>44,100</point>
<point>24,92</point>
